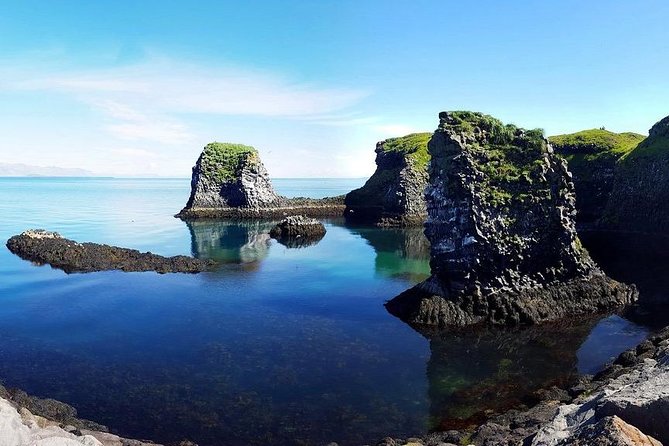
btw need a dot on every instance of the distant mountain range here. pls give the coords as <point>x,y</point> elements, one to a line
<point>25,170</point>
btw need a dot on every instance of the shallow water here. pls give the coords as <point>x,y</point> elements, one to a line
<point>277,346</point>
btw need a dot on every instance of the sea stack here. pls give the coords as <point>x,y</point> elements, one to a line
<point>592,157</point>
<point>640,196</point>
<point>504,248</point>
<point>394,194</point>
<point>230,181</point>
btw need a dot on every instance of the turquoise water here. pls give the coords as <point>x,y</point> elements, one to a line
<point>276,346</point>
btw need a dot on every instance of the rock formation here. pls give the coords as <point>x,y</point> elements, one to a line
<point>640,196</point>
<point>298,231</point>
<point>504,248</point>
<point>230,181</point>
<point>44,247</point>
<point>393,195</point>
<point>592,156</point>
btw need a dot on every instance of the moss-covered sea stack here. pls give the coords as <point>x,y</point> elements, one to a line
<point>230,181</point>
<point>504,248</point>
<point>592,156</point>
<point>393,195</point>
<point>640,196</point>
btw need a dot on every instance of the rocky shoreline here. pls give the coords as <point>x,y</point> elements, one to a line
<point>309,207</point>
<point>44,247</point>
<point>627,403</point>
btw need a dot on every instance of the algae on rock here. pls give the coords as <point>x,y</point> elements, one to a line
<point>504,247</point>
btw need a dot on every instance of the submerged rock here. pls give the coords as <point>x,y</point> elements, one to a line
<point>504,248</point>
<point>640,196</point>
<point>230,181</point>
<point>44,247</point>
<point>298,231</point>
<point>592,156</point>
<point>394,194</point>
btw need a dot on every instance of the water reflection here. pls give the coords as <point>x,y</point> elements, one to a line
<point>227,241</point>
<point>400,253</point>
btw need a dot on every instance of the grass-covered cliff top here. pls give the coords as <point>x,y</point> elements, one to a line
<point>656,145</point>
<point>414,145</point>
<point>596,142</point>
<point>510,157</point>
<point>220,160</point>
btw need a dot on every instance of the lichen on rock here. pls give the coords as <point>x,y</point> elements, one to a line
<point>393,195</point>
<point>504,248</point>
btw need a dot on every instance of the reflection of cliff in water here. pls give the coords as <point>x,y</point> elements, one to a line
<point>230,241</point>
<point>475,373</point>
<point>401,253</point>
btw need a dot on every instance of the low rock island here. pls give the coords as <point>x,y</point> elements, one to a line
<point>394,194</point>
<point>44,247</point>
<point>230,181</point>
<point>504,248</point>
<point>298,231</point>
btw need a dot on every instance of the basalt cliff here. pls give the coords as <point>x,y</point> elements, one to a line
<point>592,156</point>
<point>504,248</point>
<point>640,196</point>
<point>230,181</point>
<point>393,195</point>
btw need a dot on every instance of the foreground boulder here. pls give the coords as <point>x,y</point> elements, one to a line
<point>298,231</point>
<point>504,248</point>
<point>394,194</point>
<point>592,156</point>
<point>640,196</point>
<point>44,247</point>
<point>230,181</point>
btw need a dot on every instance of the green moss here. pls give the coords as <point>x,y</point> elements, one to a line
<point>588,145</point>
<point>650,148</point>
<point>414,145</point>
<point>221,161</point>
<point>509,156</point>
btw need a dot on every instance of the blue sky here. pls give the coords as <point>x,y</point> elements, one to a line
<point>138,87</point>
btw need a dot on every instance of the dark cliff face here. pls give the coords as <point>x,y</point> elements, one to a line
<point>640,196</point>
<point>393,195</point>
<point>592,156</point>
<point>230,175</point>
<point>501,226</point>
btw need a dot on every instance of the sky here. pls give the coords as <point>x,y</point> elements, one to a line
<point>137,88</point>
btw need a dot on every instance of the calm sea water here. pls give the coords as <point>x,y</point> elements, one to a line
<point>277,346</point>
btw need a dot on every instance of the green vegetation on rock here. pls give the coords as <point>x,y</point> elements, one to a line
<point>220,161</point>
<point>414,145</point>
<point>594,145</point>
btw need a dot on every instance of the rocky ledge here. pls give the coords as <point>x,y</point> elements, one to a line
<point>230,181</point>
<point>44,247</point>
<point>504,248</point>
<point>26,420</point>
<point>625,404</point>
<point>394,194</point>
<point>298,231</point>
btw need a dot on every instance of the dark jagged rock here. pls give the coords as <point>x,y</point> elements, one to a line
<point>640,196</point>
<point>44,247</point>
<point>230,181</point>
<point>298,231</point>
<point>592,156</point>
<point>504,248</point>
<point>393,195</point>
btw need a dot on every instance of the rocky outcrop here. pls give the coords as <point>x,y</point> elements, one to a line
<point>592,156</point>
<point>504,248</point>
<point>393,195</point>
<point>44,247</point>
<point>641,187</point>
<point>230,181</point>
<point>298,231</point>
